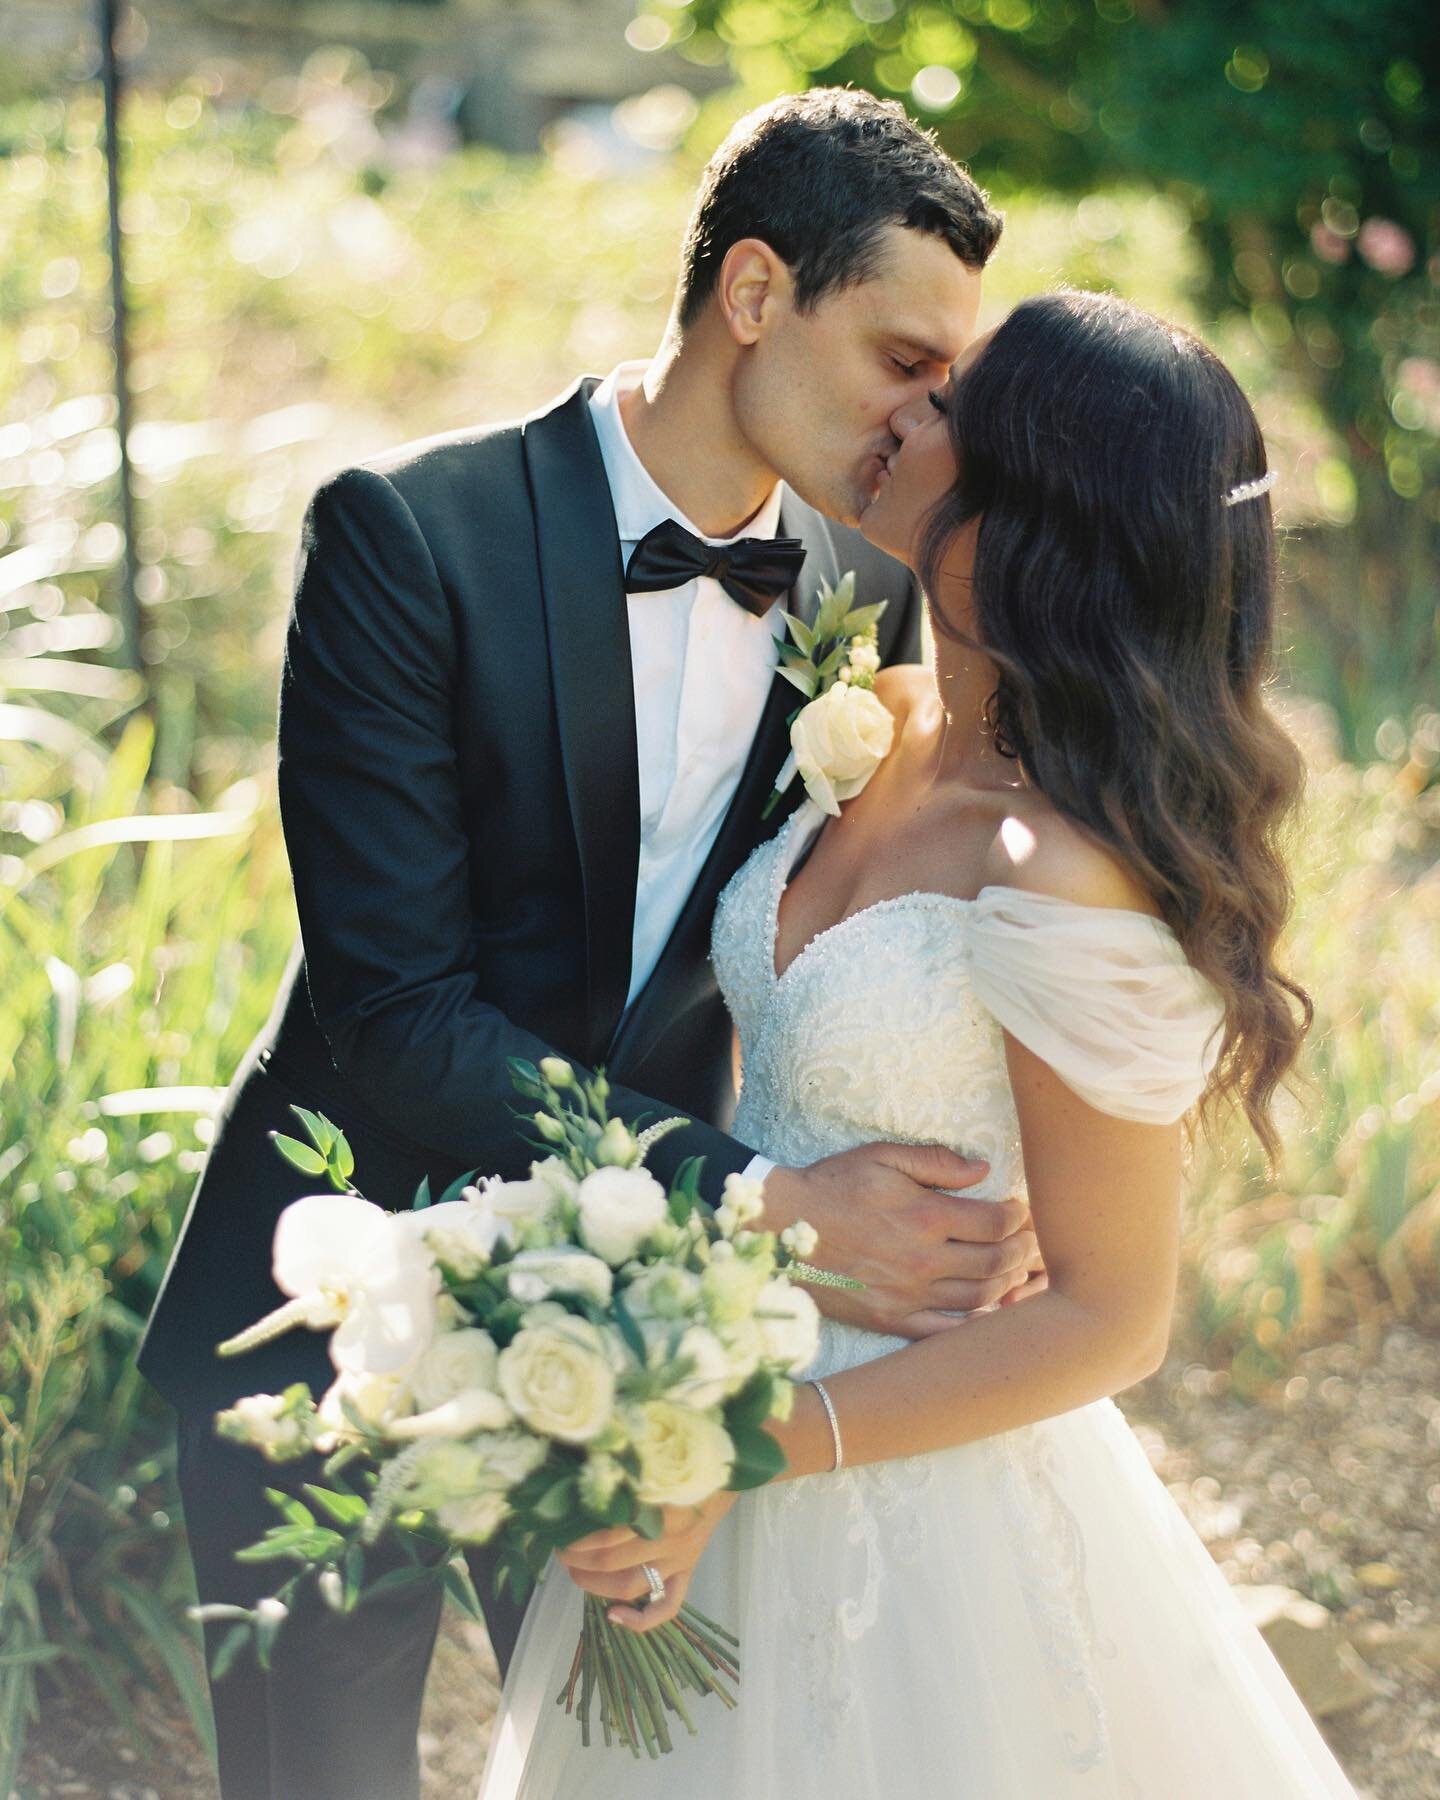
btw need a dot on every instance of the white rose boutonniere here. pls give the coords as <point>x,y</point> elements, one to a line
<point>844,733</point>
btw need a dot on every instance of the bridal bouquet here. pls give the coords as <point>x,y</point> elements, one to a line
<point>529,1361</point>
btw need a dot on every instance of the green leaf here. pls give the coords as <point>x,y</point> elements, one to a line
<point>308,1161</point>
<point>758,1459</point>
<point>422,1195</point>
<point>344,1509</point>
<point>801,632</point>
<point>557,1501</point>
<point>233,1642</point>
<point>410,1576</point>
<point>457,1186</point>
<point>629,1330</point>
<point>833,661</point>
<point>792,653</point>
<point>525,1077</point>
<point>749,1409</point>
<point>685,1192</point>
<point>858,622</point>
<point>461,1589</point>
<point>294,1510</point>
<point>342,1157</point>
<point>322,1132</point>
<point>804,679</point>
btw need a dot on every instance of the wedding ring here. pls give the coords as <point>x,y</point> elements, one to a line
<point>656,1580</point>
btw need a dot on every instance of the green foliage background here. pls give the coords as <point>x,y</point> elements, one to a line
<point>301,299</point>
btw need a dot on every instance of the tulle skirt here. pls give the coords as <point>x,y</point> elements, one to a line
<point>1026,1618</point>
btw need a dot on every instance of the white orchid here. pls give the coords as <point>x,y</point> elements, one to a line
<point>348,1264</point>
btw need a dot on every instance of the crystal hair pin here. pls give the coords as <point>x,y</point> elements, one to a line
<point>1250,490</point>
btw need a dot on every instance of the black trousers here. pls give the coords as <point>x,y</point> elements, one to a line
<point>337,1716</point>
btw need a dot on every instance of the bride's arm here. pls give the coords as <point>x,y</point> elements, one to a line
<point>1105,1197</point>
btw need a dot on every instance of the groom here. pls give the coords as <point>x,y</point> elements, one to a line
<point>528,722</point>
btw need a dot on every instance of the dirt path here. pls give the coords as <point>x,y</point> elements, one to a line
<point>1332,1491</point>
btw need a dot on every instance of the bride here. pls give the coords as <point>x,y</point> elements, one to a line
<point>1041,935</point>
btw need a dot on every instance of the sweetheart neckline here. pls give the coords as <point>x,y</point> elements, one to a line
<point>782,884</point>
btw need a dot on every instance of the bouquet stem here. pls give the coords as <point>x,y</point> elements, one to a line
<point>642,1676</point>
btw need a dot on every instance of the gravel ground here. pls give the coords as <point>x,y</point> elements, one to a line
<point>1331,1490</point>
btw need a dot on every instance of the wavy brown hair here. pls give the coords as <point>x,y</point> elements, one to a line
<point>1129,613</point>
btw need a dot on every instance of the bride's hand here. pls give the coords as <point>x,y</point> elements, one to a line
<point>609,1563</point>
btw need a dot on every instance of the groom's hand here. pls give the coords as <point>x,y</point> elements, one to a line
<point>924,1255</point>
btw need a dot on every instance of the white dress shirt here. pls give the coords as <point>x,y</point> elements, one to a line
<point>703,669</point>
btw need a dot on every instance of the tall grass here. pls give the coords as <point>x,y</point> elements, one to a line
<point>139,944</point>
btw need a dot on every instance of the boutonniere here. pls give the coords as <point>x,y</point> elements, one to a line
<point>843,733</point>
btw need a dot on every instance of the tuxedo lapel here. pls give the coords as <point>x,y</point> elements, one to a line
<point>743,826</point>
<point>582,584</point>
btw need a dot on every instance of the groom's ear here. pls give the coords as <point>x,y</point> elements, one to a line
<point>753,284</point>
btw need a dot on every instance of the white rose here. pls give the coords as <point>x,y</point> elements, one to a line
<point>710,1377</point>
<point>663,1292</point>
<point>731,1286</point>
<point>619,1208</point>
<point>278,1428</point>
<point>474,1520</point>
<point>461,1234</point>
<point>557,1176</point>
<point>375,1400</point>
<point>685,1456</point>
<point>517,1204</point>
<point>839,741</point>
<point>452,1363</point>
<point>559,1379</point>
<point>509,1456</point>
<point>744,1346</point>
<point>536,1274</point>
<point>789,1322</point>
<point>444,1470</point>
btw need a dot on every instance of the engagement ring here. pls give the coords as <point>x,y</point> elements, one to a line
<point>656,1580</point>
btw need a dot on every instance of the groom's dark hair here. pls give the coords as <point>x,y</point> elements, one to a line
<point>818,176</point>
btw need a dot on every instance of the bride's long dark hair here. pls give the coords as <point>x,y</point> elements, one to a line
<point>1129,612</point>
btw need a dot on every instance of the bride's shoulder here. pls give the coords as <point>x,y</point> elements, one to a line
<point>1038,850</point>
<point>902,687</point>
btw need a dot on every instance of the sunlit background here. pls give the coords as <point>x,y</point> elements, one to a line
<point>348,224</point>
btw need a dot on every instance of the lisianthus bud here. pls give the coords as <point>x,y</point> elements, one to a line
<point>550,1129</point>
<point>616,1149</point>
<point>557,1071</point>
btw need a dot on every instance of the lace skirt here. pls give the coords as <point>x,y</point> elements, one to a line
<point>1025,1618</point>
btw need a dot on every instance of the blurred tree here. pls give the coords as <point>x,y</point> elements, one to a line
<point>1301,140</point>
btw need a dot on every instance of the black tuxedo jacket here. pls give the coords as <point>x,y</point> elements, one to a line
<point>458,793</point>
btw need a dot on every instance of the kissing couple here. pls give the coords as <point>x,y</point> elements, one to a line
<point>529,724</point>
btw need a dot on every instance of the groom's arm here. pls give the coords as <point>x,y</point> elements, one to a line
<point>371,808</point>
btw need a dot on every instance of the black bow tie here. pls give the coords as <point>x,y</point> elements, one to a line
<point>752,571</point>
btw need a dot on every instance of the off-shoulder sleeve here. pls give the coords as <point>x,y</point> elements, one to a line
<point>1106,997</point>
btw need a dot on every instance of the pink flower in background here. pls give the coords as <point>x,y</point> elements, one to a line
<point>1328,245</point>
<point>1387,247</point>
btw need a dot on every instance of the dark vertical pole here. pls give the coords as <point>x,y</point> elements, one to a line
<point>107,20</point>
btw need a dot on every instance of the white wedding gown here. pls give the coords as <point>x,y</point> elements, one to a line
<point>1024,1618</point>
